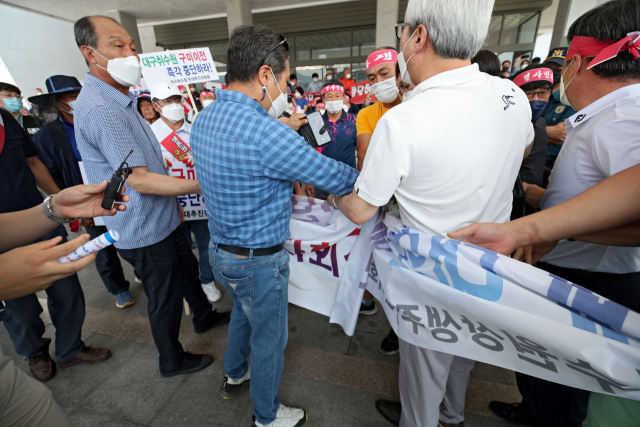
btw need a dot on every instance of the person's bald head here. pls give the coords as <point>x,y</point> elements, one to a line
<point>106,36</point>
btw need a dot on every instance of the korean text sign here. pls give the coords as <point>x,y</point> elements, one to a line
<point>182,66</point>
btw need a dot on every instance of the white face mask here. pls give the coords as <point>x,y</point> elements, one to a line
<point>334,107</point>
<point>404,72</point>
<point>206,102</point>
<point>563,88</point>
<point>173,112</point>
<point>193,90</point>
<point>315,80</point>
<point>280,104</point>
<point>298,95</point>
<point>386,90</point>
<point>70,104</point>
<point>348,76</point>
<point>126,71</point>
<point>345,108</point>
<point>329,77</point>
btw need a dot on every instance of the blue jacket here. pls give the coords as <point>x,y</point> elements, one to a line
<point>57,155</point>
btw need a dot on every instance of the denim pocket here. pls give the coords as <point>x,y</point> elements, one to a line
<point>242,287</point>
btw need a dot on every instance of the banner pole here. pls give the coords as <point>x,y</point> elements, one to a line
<point>193,103</point>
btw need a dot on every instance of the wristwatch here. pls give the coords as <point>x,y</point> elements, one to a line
<point>46,207</point>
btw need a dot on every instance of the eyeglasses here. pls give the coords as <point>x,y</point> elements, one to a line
<point>542,94</point>
<point>172,100</point>
<point>283,42</point>
<point>399,28</point>
<point>11,95</point>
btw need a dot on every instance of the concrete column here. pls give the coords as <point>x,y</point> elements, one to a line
<point>238,13</point>
<point>130,23</point>
<point>386,19</point>
<point>561,22</point>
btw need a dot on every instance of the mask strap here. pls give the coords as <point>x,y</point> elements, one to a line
<point>66,103</point>
<point>405,45</point>
<point>574,76</point>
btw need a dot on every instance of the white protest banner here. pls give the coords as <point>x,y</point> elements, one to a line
<point>456,298</point>
<point>182,66</point>
<point>321,239</point>
<point>138,89</point>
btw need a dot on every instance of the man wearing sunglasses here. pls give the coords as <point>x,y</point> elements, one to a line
<point>247,164</point>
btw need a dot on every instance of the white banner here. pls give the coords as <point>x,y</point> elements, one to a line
<point>182,66</point>
<point>448,296</point>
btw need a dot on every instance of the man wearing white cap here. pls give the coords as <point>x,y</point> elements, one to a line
<point>173,133</point>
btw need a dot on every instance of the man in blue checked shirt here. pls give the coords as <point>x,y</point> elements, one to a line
<point>247,164</point>
<point>107,127</point>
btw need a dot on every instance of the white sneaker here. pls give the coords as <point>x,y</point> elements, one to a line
<point>213,293</point>
<point>287,417</point>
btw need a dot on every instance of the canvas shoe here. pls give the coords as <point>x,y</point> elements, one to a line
<point>287,417</point>
<point>124,300</point>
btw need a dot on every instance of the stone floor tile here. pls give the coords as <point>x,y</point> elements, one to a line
<point>480,393</point>
<point>309,329</point>
<point>367,345</point>
<point>357,408</point>
<point>135,391</point>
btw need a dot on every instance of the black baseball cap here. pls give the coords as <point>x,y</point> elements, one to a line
<point>557,55</point>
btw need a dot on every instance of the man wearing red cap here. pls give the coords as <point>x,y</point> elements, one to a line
<point>601,80</point>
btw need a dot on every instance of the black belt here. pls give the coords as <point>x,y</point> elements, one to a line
<point>256,252</point>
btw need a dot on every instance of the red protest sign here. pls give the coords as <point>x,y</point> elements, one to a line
<point>178,148</point>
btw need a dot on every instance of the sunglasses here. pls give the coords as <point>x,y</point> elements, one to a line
<point>283,42</point>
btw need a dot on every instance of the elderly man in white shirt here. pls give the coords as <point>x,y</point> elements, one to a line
<point>450,155</point>
<point>171,130</point>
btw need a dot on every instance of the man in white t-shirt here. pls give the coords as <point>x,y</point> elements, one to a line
<point>450,155</point>
<point>173,132</point>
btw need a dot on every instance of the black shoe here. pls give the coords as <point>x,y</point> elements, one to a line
<point>214,320</point>
<point>518,413</point>
<point>368,310</point>
<point>389,410</point>
<point>191,363</point>
<point>228,390</point>
<point>389,344</point>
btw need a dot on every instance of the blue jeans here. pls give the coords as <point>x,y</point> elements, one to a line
<point>200,229</point>
<point>259,287</point>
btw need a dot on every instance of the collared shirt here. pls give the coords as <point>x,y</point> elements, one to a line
<point>108,126</point>
<point>555,113</point>
<point>247,163</point>
<point>314,87</point>
<point>602,139</point>
<point>343,139</point>
<point>448,162</point>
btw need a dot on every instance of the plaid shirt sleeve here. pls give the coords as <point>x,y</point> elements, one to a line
<point>287,156</point>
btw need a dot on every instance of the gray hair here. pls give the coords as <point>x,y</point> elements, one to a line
<point>247,46</point>
<point>85,32</point>
<point>457,28</point>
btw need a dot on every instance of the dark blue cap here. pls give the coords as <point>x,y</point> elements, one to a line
<point>59,84</point>
<point>557,55</point>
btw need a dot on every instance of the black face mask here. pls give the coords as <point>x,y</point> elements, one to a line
<point>557,72</point>
<point>505,68</point>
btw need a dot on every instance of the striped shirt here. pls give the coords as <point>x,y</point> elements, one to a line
<point>246,164</point>
<point>108,126</point>
<point>602,139</point>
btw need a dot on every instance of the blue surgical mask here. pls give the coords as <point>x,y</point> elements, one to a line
<point>537,108</point>
<point>13,104</point>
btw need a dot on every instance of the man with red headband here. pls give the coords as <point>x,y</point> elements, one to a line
<point>381,73</point>
<point>601,80</point>
<point>342,129</point>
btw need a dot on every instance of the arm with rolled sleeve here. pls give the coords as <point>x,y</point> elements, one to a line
<point>286,156</point>
<point>115,141</point>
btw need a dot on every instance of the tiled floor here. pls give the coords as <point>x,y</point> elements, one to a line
<point>336,378</point>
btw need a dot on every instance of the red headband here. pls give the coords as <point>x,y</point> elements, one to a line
<point>388,56</point>
<point>537,74</point>
<point>332,88</point>
<point>603,50</point>
<point>206,92</point>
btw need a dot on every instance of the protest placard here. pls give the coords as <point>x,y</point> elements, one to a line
<point>182,66</point>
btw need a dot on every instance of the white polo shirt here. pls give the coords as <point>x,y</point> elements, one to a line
<point>602,139</point>
<point>451,153</point>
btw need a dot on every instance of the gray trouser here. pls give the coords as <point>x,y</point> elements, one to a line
<point>432,386</point>
<point>24,402</point>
